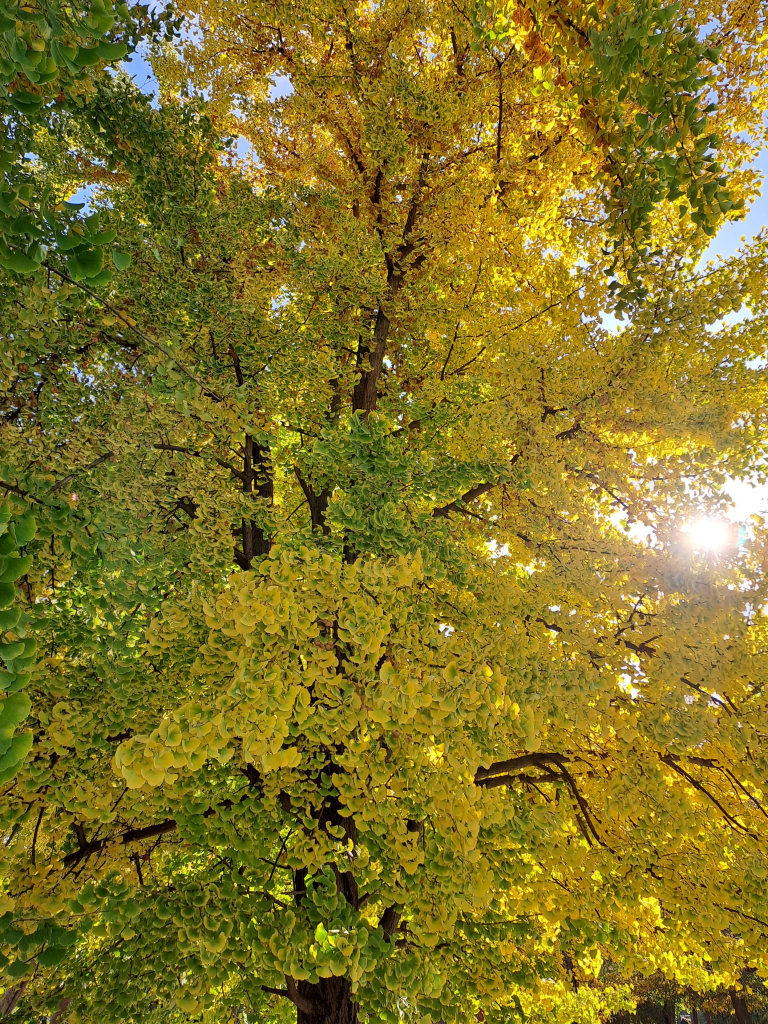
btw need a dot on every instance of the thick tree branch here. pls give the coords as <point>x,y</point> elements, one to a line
<point>470,495</point>
<point>133,835</point>
<point>482,775</point>
<point>455,506</point>
<point>198,455</point>
<point>291,992</point>
<point>10,998</point>
<point>500,774</point>
<point>256,479</point>
<point>364,395</point>
<point>318,503</point>
<point>83,469</point>
<point>390,919</point>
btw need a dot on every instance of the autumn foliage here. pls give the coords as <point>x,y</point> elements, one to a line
<point>358,664</point>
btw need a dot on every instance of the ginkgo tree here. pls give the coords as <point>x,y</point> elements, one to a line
<point>376,676</point>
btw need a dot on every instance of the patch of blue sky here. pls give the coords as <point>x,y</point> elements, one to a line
<point>83,195</point>
<point>734,233</point>
<point>243,149</point>
<point>281,88</point>
<point>729,320</point>
<point>726,243</point>
<point>140,70</point>
<point>732,236</point>
<point>611,323</point>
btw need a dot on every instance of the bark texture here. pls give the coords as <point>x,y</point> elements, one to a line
<point>739,1007</point>
<point>10,998</point>
<point>328,1002</point>
<point>256,480</point>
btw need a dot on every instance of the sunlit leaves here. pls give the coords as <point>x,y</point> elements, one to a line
<point>352,664</point>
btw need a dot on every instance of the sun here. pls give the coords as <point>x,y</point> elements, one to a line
<point>709,534</point>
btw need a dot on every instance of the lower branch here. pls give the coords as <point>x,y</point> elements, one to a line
<point>390,919</point>
<point>292,993</point>
<point>133,835</point>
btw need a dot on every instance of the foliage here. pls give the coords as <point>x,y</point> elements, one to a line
<point>359,688</point>
<point>17,650</point>
<point>611,70</point>
<point>54,57</point>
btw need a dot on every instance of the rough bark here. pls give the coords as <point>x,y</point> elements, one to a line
<point>647,1012</point>
<point>256,480</point>
<point>60,1010</point>
<point>390,920</point>
<point>365,395</point>
<point>317,502</point>
<point>330,1001</point>
<point>739,1007</point>
<point>10,998</point>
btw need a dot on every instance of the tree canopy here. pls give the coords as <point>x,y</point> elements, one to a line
<point>358,664</point>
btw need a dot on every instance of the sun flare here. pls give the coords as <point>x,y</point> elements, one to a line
<point>709,534</point>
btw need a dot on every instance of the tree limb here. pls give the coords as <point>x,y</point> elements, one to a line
<point>498,774</point>
<point>133,835</point>
<point>132,327</point>
<point>306,1006</point>
<point>482,775</point>
<point>455,506</point>
<point>735,825</point>
<point>390,919</point>
<point>83,469</point>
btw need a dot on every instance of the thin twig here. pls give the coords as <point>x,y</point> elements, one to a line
<point>136,330</point>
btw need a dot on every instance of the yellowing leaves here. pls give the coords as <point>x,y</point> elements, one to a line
<point>299,624</point>
<point>282,758</point>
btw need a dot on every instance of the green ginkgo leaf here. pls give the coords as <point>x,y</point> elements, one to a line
<point>14,709</point>
<point>87,56</point>
<point>19,263</point>
<point>52,956</point>
<point>15,568</point>
<point>112,51</point>
<point>103,237</point>
<point>121,260</point>
<point>9,618</point>
<point>25,530</point>
<point>12,759</point>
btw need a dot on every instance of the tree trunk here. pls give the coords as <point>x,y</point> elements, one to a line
<point>740,1007</point>
<point>10,998</point>
<point>669,1011</point>
<point>328,1002</point>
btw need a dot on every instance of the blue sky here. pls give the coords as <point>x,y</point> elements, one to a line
<point>141,72</point>
<point>729,237</point>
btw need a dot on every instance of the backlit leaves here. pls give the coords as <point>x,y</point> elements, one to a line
<point>353,665</point>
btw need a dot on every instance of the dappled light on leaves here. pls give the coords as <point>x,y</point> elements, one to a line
<point>342,685</point>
